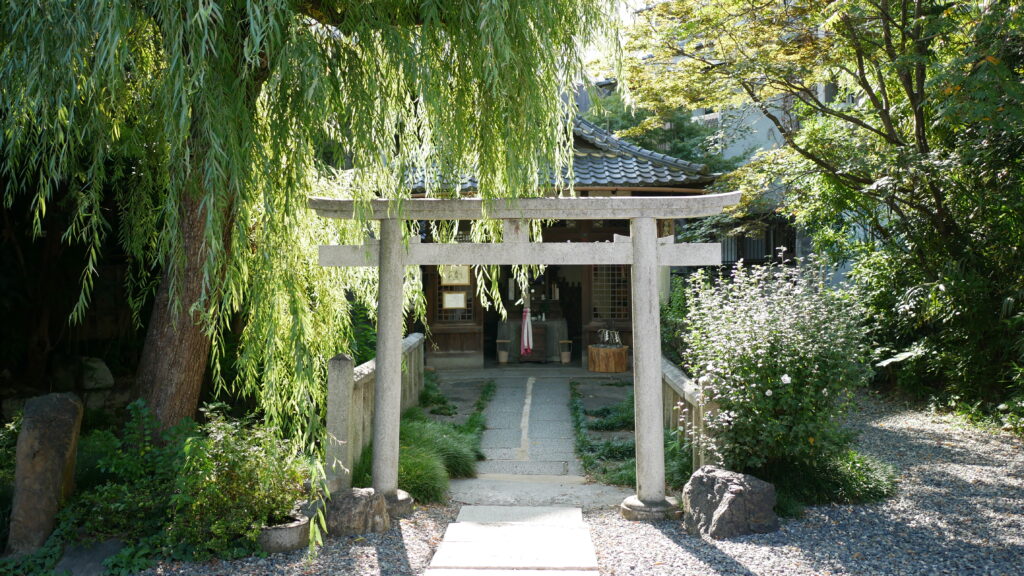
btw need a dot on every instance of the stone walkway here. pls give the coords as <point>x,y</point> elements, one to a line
<point>529,443</point>
<point>523,512</point>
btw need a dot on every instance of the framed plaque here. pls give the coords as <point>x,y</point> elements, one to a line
<point>454,276</point>
<point>453,300</point>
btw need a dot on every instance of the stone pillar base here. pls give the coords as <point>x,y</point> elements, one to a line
<point>633,509</point>
<point>399,504</point>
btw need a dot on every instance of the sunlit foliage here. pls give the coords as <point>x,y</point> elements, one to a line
<point>222,110</point>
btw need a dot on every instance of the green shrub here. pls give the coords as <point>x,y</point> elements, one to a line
<point>138,473</point>
<point>678,459</point>
<point>8,444</point>
<point>780,353</point>
<point>236,479</point>
<point>456,449</point>
<point>93,447</point>
<point>844,478</point>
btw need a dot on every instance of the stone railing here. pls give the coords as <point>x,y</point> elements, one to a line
<point>350,391</point>
<point>681,407</point>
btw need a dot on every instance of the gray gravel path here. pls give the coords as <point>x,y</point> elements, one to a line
<point>405,549</point>
<point>959,510</point>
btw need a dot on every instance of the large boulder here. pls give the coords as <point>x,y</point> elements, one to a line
<point>357,511</point>
<point>723,504</point>
<point>44,468</point>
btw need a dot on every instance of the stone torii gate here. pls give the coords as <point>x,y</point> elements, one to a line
<point>642,250</point>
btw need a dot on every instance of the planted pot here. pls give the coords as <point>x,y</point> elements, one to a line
<point>285,537</point>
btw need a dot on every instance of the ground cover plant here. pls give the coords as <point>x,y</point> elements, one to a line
<point>613,461</point>
<point>432,399</point>
<point>778,355</point>
<point>432,452</point>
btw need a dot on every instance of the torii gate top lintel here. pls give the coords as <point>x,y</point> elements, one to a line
<point>562,208</point>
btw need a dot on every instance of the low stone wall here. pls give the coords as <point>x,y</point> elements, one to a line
<point>681,408</point>
<point>350,391</point>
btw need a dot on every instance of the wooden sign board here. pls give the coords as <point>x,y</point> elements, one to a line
<point>454,275</point>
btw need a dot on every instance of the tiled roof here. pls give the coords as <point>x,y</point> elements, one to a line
<point>601,159</point>
<point>619,160</point>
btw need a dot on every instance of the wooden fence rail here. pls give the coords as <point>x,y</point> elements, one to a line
<point>681,407</point>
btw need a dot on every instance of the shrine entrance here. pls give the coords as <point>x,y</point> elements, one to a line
<point>642,250</point>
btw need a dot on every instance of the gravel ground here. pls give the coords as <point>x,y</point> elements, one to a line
<point>959,510</point>
<point>403,550</point>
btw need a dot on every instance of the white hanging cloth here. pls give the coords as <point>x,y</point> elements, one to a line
<point>526,342</point>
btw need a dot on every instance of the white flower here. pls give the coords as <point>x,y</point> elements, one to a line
<point>768,392</point>
<point>824,391</point>
<point>786,379</point>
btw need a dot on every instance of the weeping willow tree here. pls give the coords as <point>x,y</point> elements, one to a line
<point>207,121</point>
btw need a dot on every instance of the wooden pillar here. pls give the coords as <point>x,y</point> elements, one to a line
<point>649,503</point>
<point>388,388</point>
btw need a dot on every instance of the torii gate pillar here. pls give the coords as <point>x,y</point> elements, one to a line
<point>387,394</point>
<point>650,501</point>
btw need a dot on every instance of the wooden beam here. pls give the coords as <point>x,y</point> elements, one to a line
<point>529,208</point>
<point>551,253</point>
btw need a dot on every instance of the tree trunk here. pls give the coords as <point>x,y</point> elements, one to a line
<point>176,351</point>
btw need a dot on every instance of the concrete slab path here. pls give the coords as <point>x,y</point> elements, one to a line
<point>528,443</point>
<point>499,540</point>
<point>523,512</point>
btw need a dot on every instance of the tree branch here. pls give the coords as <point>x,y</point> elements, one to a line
<point>787,135</point>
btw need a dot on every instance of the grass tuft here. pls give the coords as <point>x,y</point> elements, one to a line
<point>457,449</point>
<point>847,478</point>
<point>422,474</point>
<point>616,417</point>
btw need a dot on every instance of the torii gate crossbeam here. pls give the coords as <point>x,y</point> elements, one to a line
<point>642,250</point>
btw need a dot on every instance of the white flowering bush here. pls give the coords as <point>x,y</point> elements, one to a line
<point>778,353</point>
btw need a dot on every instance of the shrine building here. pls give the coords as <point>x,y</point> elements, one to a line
<point>570,304</point>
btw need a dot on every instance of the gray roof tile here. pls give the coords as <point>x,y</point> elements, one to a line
<point>601,159</point>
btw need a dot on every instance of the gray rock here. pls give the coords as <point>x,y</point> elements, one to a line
<point>87,559</point>
<point>44,468</point>
<point>357,511</point>
<point>96,375</point>
<point>723,504</point>
<point>96,401</point>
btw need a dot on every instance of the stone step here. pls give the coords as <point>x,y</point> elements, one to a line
<point>490,538</point>
<point>485,572</point>
<point>545,515</point>
<point>512,490</point>
<point>526,468</point>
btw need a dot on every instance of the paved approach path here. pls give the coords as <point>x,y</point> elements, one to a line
<point>523,512</point>
<point>528,443</point>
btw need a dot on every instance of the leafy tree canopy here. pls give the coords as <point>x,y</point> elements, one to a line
<point>671,131</point>
<point>205,119</point>
<point>904,127</point>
